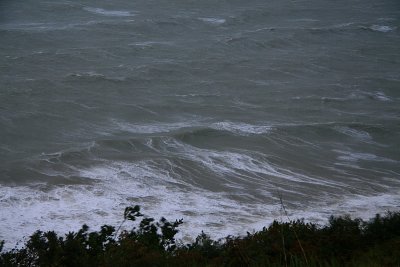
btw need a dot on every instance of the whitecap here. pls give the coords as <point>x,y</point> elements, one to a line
<point>112,13</point>
<point>242,128</point>
<point>95,75</point>
<point>86,74</point>
<point>150,128</point>
<point>238,128</point>
<point>382,28</point>
<point>216,21</point>
<point>381,96</point>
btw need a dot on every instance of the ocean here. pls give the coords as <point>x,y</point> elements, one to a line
<point>211,111</point>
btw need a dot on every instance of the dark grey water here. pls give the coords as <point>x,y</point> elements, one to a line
<point>206,110</point>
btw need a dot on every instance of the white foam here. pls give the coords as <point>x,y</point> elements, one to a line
<point>161,191</point>
<point>40,27</point>
<point>357,156</point>
<point>150,128</point>
<point>242,128</point>
<point>216,21</point>
<point>245,165</point>
<point>382,28</point>
<point>377,95</point>
<point>104,12</point>
<point>95,75</point>
<point>238,128</point>
<point>357,206</point>
<point>358,134</point>
<point>381,96</point>
<point>87,74</point>
<point>343,25</point>
<point>65,208</point>
<point>365,207</point>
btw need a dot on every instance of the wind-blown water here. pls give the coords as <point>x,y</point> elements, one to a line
<point>204,110</point>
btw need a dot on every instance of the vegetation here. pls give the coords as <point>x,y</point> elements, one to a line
<point>342,242</point>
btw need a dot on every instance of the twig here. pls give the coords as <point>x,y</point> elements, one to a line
<point>294,231</point>
<point>283,238</point>
<point>116,232</point>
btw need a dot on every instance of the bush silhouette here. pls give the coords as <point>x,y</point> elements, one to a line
<point>342,242</point>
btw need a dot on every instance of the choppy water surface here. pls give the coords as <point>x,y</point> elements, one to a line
<point>203,110</point>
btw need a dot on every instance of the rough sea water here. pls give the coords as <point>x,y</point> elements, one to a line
<point>206,110</point>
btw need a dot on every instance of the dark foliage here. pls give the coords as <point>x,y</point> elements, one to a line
<point>343,242</point>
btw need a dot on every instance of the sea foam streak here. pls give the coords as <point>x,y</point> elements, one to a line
<point>358,134</point>
<point>112,13</point>
<point>357,156</point>
<point>236,128</point>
